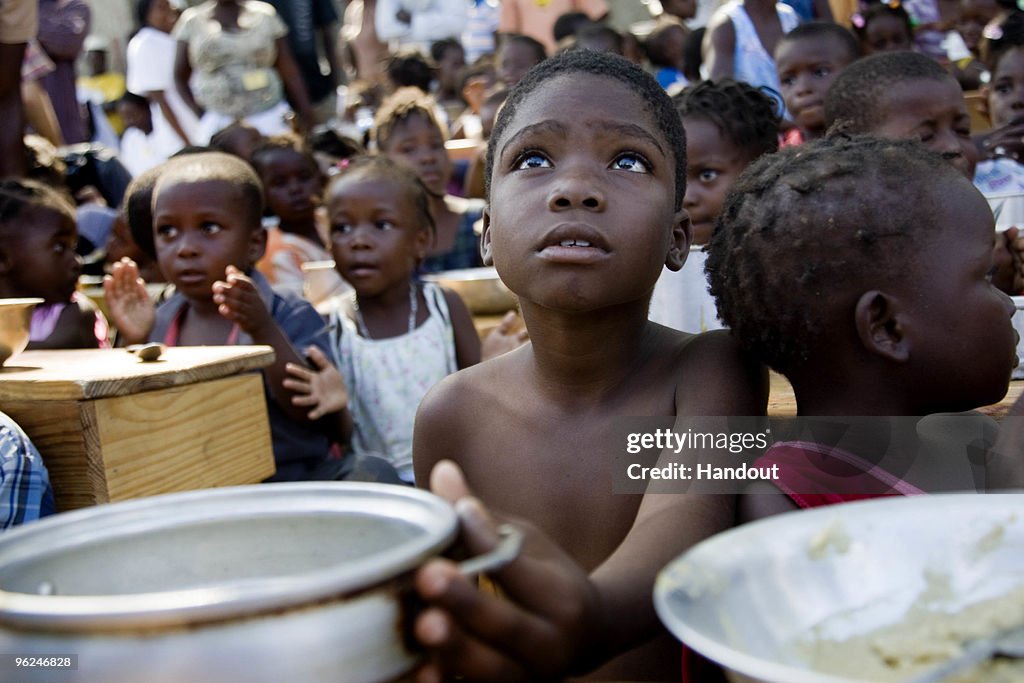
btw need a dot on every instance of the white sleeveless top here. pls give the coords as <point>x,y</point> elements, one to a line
<point>751,61</point>
<point>387,378</point>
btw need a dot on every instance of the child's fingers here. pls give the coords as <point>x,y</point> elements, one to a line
<point>318,357</point>
<point>299,371</point>
<point>447,481</point>
<point>305,400</point>
<point>454,654</point>
<point>297,386</point>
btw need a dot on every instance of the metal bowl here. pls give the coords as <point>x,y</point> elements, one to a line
<point>480,288</point>
<point>15,317</point>
<point>750,597</point>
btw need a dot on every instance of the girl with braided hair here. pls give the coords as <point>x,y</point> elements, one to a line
<point>728,125</point>
<point>873,299</point>
<point>37,259</point>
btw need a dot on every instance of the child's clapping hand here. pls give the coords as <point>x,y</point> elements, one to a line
<point>239,301</point>
<point>128,303</point>
<point>542,631</point>
<point>323,389</point>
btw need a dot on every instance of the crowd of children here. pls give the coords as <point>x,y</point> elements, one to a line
<point>818,208</point>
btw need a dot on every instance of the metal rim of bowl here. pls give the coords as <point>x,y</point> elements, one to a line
<point>757,667</point>
<point>87,613</point>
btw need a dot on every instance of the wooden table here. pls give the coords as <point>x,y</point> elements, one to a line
<point>781,401</point>
<point>110,427</point>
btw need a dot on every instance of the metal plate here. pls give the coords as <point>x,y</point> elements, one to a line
<point>215,554</point>
<point>746,598</point>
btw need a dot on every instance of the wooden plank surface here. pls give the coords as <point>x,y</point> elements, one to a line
<point>183,438</point>
<point>95,373</point>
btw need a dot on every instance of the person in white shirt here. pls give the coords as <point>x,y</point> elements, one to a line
<point>418,23</point>
<point>150,73</point>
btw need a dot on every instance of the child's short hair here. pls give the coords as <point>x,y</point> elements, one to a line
<point>567,24</point>
<point>658,103</point>
<point>329,141</point>
<point>217,167</point>
<point>826,29</point>
<point>589,36</point>
<point>20,195</point>
<point>538,49</point>
<point>380,166</point>
<point>743,113</point>
<point>288,142</point>
<point>439,47</point>
<point>999,39</point>
<point>402,105</point>
<point>852,99</point>
<point>861,19</point>
<point>138,209</point>
<point>410,68</point>
<point>799,228</point>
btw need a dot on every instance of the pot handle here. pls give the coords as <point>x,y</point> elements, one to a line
<point>510,541</point>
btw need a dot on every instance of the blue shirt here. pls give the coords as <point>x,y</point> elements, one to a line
<point>25,492</point>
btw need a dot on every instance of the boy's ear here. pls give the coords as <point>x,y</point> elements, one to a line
<point>882,326</point>
<point>257,245</point>
<point>679,240</point>
<point>485,238</point>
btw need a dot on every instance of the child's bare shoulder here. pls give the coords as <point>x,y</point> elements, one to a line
<point>715,376</point>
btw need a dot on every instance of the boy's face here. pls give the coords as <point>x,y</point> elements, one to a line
<point>1005,90</point>
<point>419,144</point>
<point>974,16</point>
<point>291,184</point>
<point>135,116</point>
<point>452,62</point>
<point>934,112</point>
<point>886,33</point>
<point>514,60</point>
<point>41,261</point>
<point>806,69</point>
<point>713,163</point>
<point>581,212</point>
<point>963,342</point>
<point>201,228</point>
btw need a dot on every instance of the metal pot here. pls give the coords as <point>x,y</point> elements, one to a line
<point>278,582</point>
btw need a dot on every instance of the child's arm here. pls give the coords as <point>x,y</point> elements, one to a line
<point>568,624</point>
<point>239,301</point>
<point>131,310</point>
<point>718,47</point>
<point>467,341</point>
<point>322,391</point>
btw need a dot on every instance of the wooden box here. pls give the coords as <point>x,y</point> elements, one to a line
<point>110,427</point>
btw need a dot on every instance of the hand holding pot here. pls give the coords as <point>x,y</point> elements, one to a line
<point>540,628</point>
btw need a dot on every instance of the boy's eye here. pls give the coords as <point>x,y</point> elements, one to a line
<point>707,175</point>
<point>211,228</point>
<point>531,160</point>
<point>822,71</point>
<point>166,231</point>
<point>634,163</point>
<point>385,225</point>
<point>341,228</point>
<point>787,80</point>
